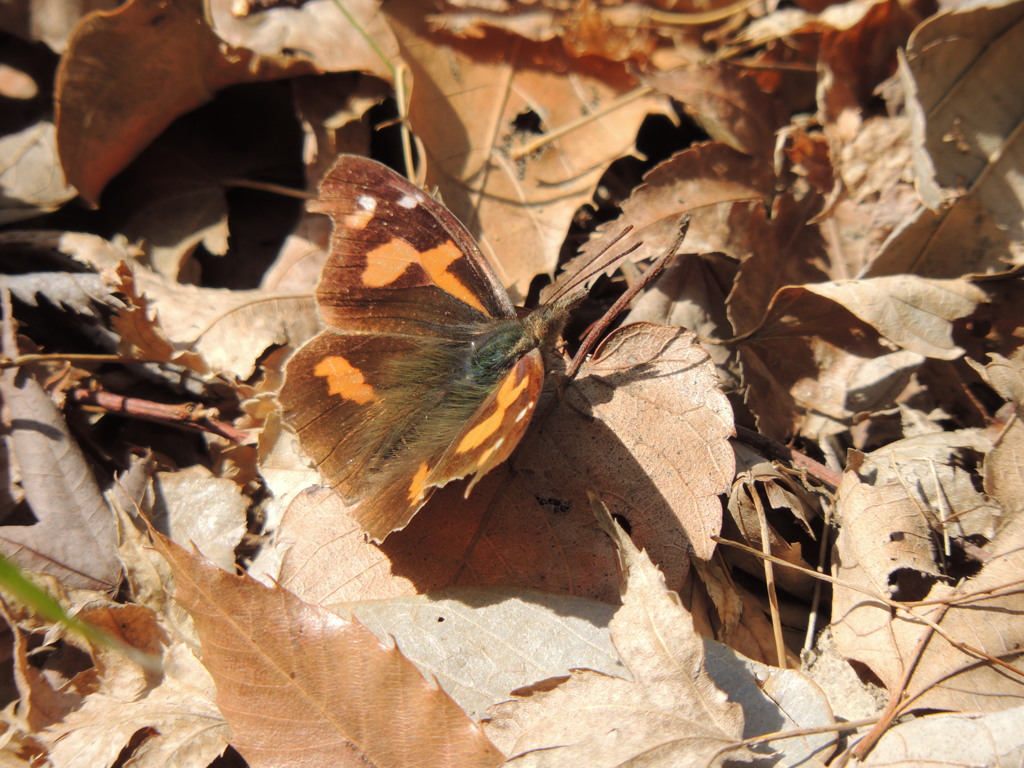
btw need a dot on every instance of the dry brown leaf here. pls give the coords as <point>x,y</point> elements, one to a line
<point>328,693</point>
<point>31,179</point>
<point>728,104</point>
<point>73,536</point>
<point>993,739</point>
<point>203,328</point>
<point>45,696</point>
<point>195,508</point>
<point>704,181</point>
<point>883,532</point>
<point>945,677</point>
<point>129,73</point>
<point>356,38</point>
<point>175,723</point>
<point>482,644</point>
<point>872,160</point>
<point>930,467</point>
<point>966,142</point>
<point>662,483</point>
<point>810,353</point>
<point>775,249</point>
<point>671,714</point>
<point>468,103</point>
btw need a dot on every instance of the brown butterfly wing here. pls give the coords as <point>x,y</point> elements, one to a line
<point>399,261</point>
<point>486,440</point>
<point>405,293</point>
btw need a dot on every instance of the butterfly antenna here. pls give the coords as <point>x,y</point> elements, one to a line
<point>596,266</point>
<point>623,301</point>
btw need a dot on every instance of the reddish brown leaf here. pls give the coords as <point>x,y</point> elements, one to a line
<point>301,686</point>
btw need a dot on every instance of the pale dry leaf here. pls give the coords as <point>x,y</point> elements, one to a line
<point>329,692</point>
<point>671,714</point>
<point>994,739</point>
<point>286,472</point>
<point>229,331</point>
<point>468,101</point>
<point>74,537</point>
<point>883,531</point>
<point>178,722</point>
<point>482,644</point>
<point>945,677</point>
<point>967,143</point>
<point>931,468</point>
<point>197,509</point>
<point>1004,375</point>
<point>331,39</point>
<point>325,557</point>
<point>872,159</point>
<point>962,239</point>
<point>964,124</point>
<point>82,292</point>
<point>914,313</point>
<point>31,179</point>
<point>1004,467</point>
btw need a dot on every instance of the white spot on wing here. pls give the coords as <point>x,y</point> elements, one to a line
<point>522,414</point>
<point>408,201</point>
<point>366,203</point>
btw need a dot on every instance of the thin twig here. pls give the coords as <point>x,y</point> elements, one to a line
<point>190,415</point>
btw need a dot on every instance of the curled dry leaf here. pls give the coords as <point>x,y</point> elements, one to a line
<point>74,537</point>
<point>703,181</point>
<point>986,612</point>
<point>130,72</point>
<point>205,329</point>
<point>329,692</point>
<point>173,723</point>
<point>332,40</point>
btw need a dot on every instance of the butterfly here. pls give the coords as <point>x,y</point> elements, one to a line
<point>424,374</point>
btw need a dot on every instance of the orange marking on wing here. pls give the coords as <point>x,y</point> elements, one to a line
<point>387,263</point>
<point>436,262</point>
<point>507,395</point>
<point>416,487</point>
<point>344,379</point>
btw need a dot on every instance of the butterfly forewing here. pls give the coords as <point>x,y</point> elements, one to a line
<point>399,261</point>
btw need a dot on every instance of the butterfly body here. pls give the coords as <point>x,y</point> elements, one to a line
<point>424,374</point>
